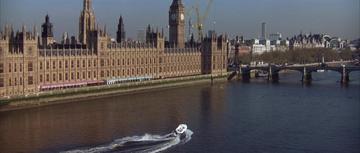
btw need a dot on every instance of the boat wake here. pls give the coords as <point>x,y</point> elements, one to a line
<point>139,144</point>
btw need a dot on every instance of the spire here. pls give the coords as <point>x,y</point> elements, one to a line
<point>23,28</point>
<point>47,19</point>
<point>148,30</point>
<point>162,32</point>
<point>87,5</point>
<point>177,3</point>
<point>12,30</point>
<point>6,29</point>
<point>47,28</point>
<point>34,30</point>
<point>121,34</point>
<point>86,23</point>
<point>121,22</point>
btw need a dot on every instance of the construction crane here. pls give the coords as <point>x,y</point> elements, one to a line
<point>201,18</point>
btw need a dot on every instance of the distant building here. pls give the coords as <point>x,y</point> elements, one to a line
<point>275,42</point>
<point>244,50</point>
<point>316,41</point>
<point>265,42</point>
<point>65,39</point>
<point>256,47</point>
<point>354,45</point>
<point>308,41</point>
<point>337,43</point>
<point>263,30</point>
<point>267,45</point>
<point>275,36</point>
<point>285,43</point>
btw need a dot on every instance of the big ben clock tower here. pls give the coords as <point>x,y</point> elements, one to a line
<point>177,24</point>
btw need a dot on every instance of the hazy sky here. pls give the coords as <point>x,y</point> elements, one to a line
<point>235,17</point>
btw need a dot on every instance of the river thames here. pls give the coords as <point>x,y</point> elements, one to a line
<point>256,117</point>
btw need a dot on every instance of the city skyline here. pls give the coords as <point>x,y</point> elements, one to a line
<point>245,18</point>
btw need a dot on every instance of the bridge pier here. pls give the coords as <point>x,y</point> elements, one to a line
<point>307,77</point>
<point>345,78</point>
<point>345,75</point>
<point>244,74</point>
<point>273,75</point>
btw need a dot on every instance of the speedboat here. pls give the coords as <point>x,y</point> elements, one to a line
<point>181,129</point>
<point>136,145</point>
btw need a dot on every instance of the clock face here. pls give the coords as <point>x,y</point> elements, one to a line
<point>182,17</point>
<point>173,16</point>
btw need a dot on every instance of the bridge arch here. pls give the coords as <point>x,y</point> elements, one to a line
<point>259,68</point>
<point>282,73</point>
<point>301,71</point>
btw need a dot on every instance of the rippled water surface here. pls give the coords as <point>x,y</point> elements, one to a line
<point>286,117</point>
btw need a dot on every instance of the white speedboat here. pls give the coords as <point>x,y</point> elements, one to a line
<point>180,129</point>
<point>137,145</point>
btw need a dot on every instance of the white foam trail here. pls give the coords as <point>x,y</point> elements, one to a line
<point>162,147</point>
<point>173,141</point>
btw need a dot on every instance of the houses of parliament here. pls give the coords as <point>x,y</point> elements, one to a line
<point>32,63</point>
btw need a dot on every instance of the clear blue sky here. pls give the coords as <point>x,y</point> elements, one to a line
<point>236,17</point>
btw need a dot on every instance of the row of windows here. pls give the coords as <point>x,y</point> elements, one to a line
<point>181,59</point>
<point>19,67</point>
<point>129,72</point>
<point>132,61</point>
<point>17,81</point>
<point>103,62</point>
<point>218,58</point>
<point>66,76</point>
<point>66,64</point>
<point>181,68</point>
<point>88,75</point>
<point>15,67</point>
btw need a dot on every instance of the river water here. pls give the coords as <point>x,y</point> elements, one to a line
<point>256,117</point>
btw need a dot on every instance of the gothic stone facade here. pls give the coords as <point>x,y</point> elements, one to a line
<point>29,66</point>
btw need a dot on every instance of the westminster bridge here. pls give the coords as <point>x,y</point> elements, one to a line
<point>244,72</point>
